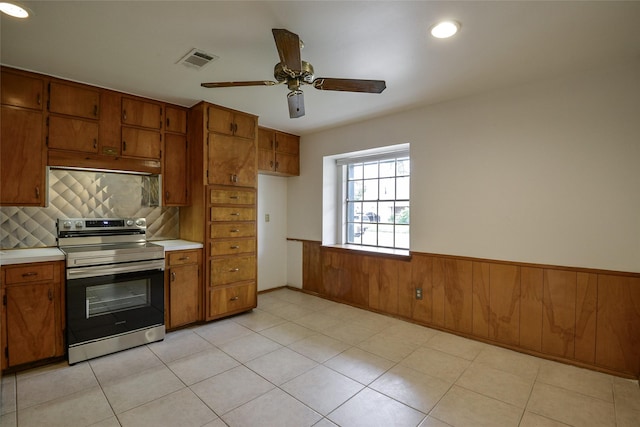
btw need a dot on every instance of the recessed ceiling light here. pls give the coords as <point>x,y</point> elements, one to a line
<point>445,29</point>
<point>13,9</point>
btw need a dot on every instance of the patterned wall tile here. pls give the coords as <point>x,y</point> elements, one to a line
<point>88,194</point>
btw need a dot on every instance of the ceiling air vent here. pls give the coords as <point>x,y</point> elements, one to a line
<point>197,58</point>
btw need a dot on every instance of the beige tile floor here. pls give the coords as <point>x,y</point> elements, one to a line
<point>299,360</point>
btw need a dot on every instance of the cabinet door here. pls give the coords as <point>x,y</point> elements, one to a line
<point>266,147</point>
<point>140,143</point>
<point>286,143</point>
<point>175,177</point>
<point>21,158</point>
<point>31,314</point>
<point>21,91</point>
<point>287,164</point>
<point>73,134</point>
<point>141,113</point>
<point>232,161</point>
<point>184,295</point>
<point>176,120</point>
<point>219,120</point>
<point>74,101</point>
<point>244,126</point>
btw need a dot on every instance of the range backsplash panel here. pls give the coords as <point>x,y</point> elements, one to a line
<point>88,194</point>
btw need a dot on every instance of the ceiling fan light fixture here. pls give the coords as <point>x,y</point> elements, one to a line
<point>15,10</point>
<point>445,29</point>
<point>295,99</point>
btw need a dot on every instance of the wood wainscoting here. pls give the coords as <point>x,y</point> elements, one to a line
<point>585,317</point>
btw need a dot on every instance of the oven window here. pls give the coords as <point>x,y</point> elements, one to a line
<point>113,297</point>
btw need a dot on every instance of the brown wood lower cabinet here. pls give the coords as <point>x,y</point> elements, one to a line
<point>183,288</point>
<point>33,319</point>
<point>586,317</point>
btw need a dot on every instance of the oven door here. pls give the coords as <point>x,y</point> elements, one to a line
<point>112,304</point>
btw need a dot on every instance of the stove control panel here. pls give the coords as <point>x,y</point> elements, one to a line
<point>102,225</point>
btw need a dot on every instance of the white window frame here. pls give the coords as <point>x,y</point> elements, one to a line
<point>384,153</point>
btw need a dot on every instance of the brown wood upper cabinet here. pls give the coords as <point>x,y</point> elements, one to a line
<point>231,123</point>
<point>22,149</point>
<point>140,113</point>
<point>74,100</point>
<point>175,172</point>
<point>278,152</point>
<point>20,90</point>
<point>175,120</point>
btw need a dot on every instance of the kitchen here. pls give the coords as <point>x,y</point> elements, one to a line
<point>578,108</point>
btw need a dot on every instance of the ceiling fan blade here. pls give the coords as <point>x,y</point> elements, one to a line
<point>236,84</point>
<point>288,45</point>
<point>350,85</point>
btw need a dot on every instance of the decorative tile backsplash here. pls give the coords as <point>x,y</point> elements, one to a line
<point>88,194</point>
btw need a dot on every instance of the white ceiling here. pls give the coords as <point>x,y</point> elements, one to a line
<point>134,46</point>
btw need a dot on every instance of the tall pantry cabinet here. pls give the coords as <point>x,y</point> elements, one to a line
<point>223,183</point>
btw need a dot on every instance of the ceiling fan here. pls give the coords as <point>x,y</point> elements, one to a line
<point>295,72</point>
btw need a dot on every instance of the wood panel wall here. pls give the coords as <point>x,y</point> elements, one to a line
<point>586,317</point>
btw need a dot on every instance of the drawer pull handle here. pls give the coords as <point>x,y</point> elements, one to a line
<point>233,197</point>
<point>236,298</point>
<point>50,294</point>
<point>184,258</point>
<point>233,270</point>
<point>235,214</point>
<point>235,230</point>
<point>234,247</point>
<point>30,274</point>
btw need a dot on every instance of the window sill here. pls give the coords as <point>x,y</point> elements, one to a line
<point>403,254</point>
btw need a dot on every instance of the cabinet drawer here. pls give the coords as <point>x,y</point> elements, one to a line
<point>233,214</point>
<point>182,257</point>
<point>235,197</point>
<point>233,269</point>
<point>233,230</point>
<point>232,247</point>
<point>74,101</point>
<point>29,273</point>
<point>231,299</point>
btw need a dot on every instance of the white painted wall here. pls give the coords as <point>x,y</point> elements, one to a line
<point>545,173</point>
<point>272,235</point>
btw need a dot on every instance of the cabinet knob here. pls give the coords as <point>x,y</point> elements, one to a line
<point>184,258</point>
<point>235,214</point>
<point>30,274</point>
<point>233,270</point>
<point>234,298</point>
<point>234,247</point>
<point>233,197</point>
<point>234,230</point>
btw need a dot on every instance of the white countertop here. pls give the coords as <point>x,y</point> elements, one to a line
<point>23,256</point>
<point>177,245</point>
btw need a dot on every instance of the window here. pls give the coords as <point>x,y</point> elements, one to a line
<point>376,202</point>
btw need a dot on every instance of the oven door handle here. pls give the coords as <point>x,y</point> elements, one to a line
<point>106,270</point>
